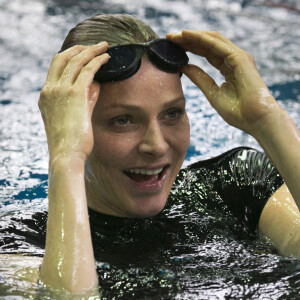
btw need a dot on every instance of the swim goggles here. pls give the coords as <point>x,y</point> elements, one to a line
<point>125,60</point>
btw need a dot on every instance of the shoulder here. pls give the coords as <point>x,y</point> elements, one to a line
<point>233,154</point>
<point>222,169</point>
<point>242,165</point>
<point>244,178</point>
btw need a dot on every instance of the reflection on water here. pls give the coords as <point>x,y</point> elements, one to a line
<point>32,32</point>
<point>18,275</point>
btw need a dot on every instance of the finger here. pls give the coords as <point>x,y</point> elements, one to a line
<point>60,61</point>
<point>215,59</point>
<point>202,38</point>
<point>87,73</point>
<point>193,37</point>
<point>195,47</point>
<point>178,39</point>
<point>74,66</point>
<point>227,62</point>
<point>172,35</point>
<point>202,80</point>
<point>220,64</point>
<point>93,95</point>
<point>211,45</point>
<point>169,35</point>
<point>218,35</point>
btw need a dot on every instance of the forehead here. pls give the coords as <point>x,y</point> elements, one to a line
<point>148,84</point>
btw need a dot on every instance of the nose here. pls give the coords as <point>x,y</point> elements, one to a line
<point>153,142</point>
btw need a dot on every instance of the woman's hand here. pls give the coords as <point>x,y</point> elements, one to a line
<point>243,100</point>
<point>68,99</point>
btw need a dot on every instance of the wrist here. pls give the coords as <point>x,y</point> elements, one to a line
<point>271,124</point>
<point>70,148</point>
<point>66,184</point>
<point>73,163</point>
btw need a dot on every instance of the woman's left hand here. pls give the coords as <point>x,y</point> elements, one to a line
<point>243,100</point>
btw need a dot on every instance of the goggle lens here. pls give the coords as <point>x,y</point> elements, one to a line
<point>125,60</point>
<point>169,51</point>
<point>121,57</point>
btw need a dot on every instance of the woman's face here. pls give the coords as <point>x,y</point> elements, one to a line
<point>141,135</point>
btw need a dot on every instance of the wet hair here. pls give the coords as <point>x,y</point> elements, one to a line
<point>112,28</point>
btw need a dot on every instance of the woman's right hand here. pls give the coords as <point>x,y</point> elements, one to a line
<point>68,98</point>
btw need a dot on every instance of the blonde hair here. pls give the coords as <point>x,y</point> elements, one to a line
<point>112,28</point>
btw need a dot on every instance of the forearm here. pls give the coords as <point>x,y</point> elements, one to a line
<point>69,260</point>
<point>280,139</point>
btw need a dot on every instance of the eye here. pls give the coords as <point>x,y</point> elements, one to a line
<point>122,120</point>
<point>174,113</point>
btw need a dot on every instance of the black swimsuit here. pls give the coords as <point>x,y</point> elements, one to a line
<point>212,214</point>
<point>235,185</point>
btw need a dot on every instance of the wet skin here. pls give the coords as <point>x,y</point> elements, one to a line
<point>139,125</point>
<point>151,135</point>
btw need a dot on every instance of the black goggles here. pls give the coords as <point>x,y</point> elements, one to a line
<point>125,60</point>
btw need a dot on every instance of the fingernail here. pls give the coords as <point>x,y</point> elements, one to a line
<point>102,43</point>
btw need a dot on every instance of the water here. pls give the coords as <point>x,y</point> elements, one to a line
<point>31,32</point>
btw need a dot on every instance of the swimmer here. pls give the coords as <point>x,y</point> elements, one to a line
<point>118,132</point>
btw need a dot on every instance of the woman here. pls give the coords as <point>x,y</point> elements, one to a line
<point>117,146</point>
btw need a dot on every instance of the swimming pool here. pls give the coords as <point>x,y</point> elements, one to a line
<point>32,32</point>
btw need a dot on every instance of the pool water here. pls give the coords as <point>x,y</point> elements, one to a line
<point>31,32</point>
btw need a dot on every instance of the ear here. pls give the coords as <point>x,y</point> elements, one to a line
<point>93,95</point>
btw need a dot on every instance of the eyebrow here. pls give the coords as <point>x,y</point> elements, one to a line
<point>137,107</point>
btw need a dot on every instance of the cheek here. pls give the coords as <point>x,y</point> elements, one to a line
<point>179,137</point>
<point>185,135</point>
<point>113,147</point>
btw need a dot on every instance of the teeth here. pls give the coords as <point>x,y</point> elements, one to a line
<point>145,172</point>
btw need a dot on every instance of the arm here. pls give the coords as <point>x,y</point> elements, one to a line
<point>66,103</point>
<point>244,101</point>
<point>69,259</point>
<point>280,221</point>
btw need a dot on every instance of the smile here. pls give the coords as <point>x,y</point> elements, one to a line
<point>144,172</point>
<point>147,180</point>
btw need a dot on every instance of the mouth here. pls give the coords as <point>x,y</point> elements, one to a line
<point>146,175</point>
<point>146,180</point>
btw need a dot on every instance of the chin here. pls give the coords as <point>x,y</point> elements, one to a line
<point>147,212</point>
